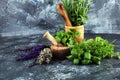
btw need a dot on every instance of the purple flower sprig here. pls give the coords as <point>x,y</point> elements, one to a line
<point>32,52</point>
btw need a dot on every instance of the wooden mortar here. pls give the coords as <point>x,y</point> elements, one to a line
<point>59,51</point>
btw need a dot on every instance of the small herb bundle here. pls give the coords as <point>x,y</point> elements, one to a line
<point>41,53</point>
<point>45,55</point>
<point>77,11</point>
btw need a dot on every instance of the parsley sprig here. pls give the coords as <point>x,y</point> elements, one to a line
<point>90,51</point>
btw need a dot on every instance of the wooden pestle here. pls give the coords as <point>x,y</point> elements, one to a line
<point>50,38</point>
<point>59,51</point>
<point>62,11</point>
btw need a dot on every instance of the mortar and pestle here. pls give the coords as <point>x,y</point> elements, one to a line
<point>59,51</point>
<point>68,26</point>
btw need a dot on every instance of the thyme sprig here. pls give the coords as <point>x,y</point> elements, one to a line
<point>77,11</point>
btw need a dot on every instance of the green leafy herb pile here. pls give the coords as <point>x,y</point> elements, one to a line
<point>86,52</point>
<point>67,38</point>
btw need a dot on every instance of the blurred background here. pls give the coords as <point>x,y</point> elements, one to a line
<point>29,17</point>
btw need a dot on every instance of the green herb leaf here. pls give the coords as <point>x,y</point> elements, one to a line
<point>76,61</point>
<point>74,52</point>
<point>70,57</point>
<point>96,59</point>
<point>87,56</point>
<point>85,61</point>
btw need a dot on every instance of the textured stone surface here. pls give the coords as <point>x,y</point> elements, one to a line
<point>21,18</point>
<point>104,16</point>
<point>33,16</point>
<point>109,69</point>
<point>37,16</point>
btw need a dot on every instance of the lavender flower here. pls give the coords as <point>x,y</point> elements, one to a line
<point>33,52</point>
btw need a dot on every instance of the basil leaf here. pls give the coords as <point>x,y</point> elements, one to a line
<point>76,61</point>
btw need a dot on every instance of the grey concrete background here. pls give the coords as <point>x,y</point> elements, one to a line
<point>23,22</point>
<point>26,17</point>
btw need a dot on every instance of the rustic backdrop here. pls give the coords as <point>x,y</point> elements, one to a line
<point>26,17</point>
